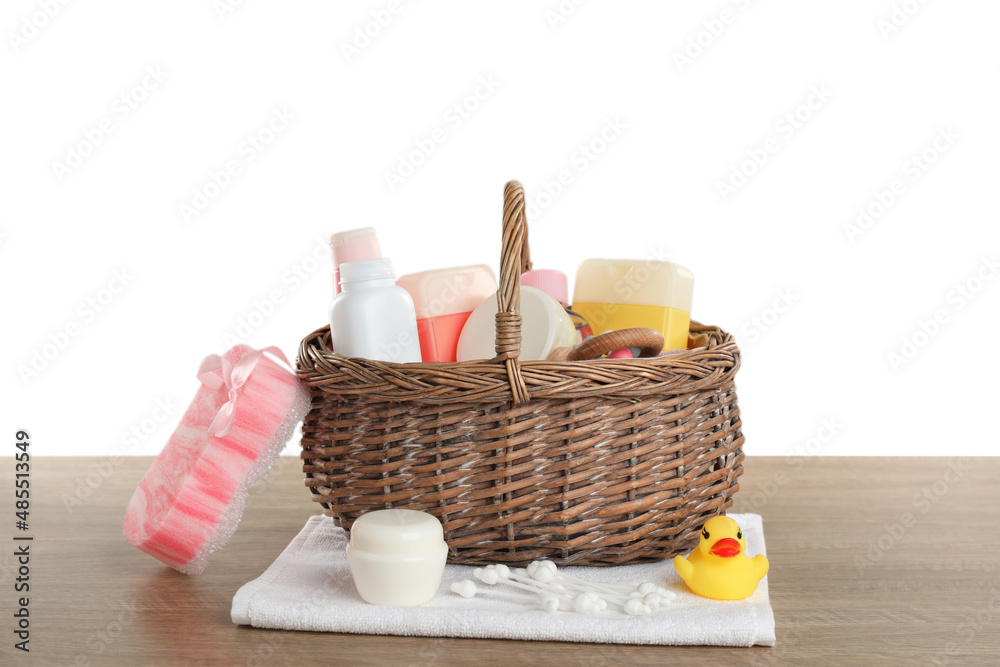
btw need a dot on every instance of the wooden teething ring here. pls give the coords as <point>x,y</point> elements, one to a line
<point>650,342</point>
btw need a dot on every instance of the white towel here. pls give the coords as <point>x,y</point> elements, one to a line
<point>309,587</point>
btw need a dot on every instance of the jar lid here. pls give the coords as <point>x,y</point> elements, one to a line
<point>397,532</point>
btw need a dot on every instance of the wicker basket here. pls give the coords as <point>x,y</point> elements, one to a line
<point>598,462</point>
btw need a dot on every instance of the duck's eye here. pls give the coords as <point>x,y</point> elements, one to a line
<point>739,534</point>
<point>704,533</point>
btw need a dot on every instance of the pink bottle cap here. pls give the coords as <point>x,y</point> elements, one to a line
<point>550,281</point>
<point>449,291</point>
<point>354,245</point>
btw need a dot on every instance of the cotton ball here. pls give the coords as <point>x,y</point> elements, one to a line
<point>487,576</point>
<point>532,567</point>
<point>550,603</point>
<point>667,594</point>
<point>547,564</point>
<point>543,575</point>
<point>466,588</point>
<point>635,607</point>
<point>648,587</point>
<point>652,600</point>
<point>587,603</point>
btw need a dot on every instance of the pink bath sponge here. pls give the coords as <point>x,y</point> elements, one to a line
<point>191,499</point>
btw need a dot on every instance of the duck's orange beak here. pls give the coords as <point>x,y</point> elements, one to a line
<point>727,547</point>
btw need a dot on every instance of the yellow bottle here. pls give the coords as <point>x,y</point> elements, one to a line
<point>625,293</point>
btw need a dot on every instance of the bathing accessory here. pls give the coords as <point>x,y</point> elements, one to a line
<point>648,341</point>
<point>191,499</point>
<point>397,557</point>
<point>443,300</point>
<point>373,317</point>
<point>555,285</point>
<point>353,245</point>
<point>624,293</point>
<point>558,592</point>
<point>545,326</point>
<point>309,588</point>
<point>550,281</point>
<point>577,462</point>
<point>718,568</point>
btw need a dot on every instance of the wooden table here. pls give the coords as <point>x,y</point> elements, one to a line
<point>873,561</point>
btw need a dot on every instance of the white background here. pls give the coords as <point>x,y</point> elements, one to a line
<point>818,309</point>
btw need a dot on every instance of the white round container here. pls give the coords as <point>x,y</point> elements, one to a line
<point>397,557</point>
<point>544,327</point>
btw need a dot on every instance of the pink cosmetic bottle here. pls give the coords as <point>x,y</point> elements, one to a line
<point>444,299</point>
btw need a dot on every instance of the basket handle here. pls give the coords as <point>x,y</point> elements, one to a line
<point>515,258</point>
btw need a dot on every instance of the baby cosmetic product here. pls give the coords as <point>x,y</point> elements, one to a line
<point>557,591</point>
<point>353,245</point>
<point>554,284</point>
<point>372,317</point>
<point>444,299</point>
<point>623,294</point>
<point>397,557</point>
<point>545,326</point>
<point>550,281</point>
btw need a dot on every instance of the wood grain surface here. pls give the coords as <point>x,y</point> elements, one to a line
<point>873,561</point>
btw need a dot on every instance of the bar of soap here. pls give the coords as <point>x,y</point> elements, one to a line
<point>397,557</point>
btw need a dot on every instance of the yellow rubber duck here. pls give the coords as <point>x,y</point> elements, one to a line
<point>718,568</point>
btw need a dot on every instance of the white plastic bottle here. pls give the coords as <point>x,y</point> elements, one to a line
<point>372,317</point>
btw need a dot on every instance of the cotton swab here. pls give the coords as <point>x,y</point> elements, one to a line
<point>558,591</point>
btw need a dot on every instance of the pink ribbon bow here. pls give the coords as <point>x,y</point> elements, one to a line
<point>234,376</point>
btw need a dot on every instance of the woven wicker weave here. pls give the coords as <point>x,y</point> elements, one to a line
<point>598,462</point>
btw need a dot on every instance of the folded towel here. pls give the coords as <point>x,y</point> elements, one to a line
<point>309,587</point>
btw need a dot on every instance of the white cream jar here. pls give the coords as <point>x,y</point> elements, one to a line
<point>397,557</point>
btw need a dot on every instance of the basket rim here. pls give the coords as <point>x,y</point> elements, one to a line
<point>697,369</point>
